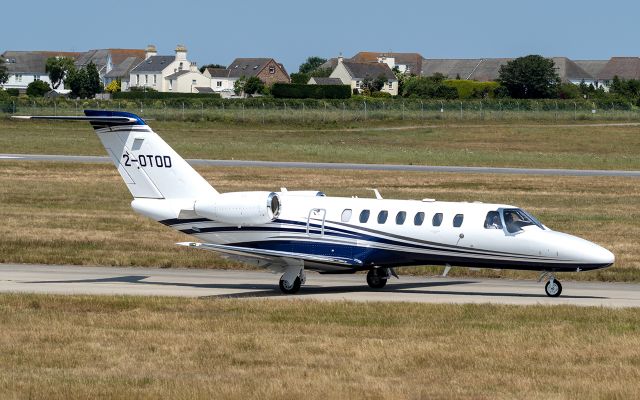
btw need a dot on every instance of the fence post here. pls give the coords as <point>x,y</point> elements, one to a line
<point>441,107</point>
<point>303,112</point>
<point>13,105</point>
<point>76,101</point>
<point>481,111</point>
<point>575,110</point>
<point>324,116</point>
<point>263,112</point>
<point>403,110</point>
<point>365,110</point>
<point>55,108</point>
<point>460,110</point>
<point>421,109</point>
<point>140,106</point>
<point>202,111</point>
<point>243,117</point>
<point>183,110</point>
<point>343,109</point>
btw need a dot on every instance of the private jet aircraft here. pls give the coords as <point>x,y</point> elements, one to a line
<point>289,232</point>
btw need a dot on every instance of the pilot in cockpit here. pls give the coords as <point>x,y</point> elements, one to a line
<point>493,221</point>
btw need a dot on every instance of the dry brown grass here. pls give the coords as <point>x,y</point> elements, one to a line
<point>67,347</point>
<point>57,213</point>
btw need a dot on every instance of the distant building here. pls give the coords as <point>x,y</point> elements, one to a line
<point>268,70</point>
<point>622,67</point>
<point>24,67</point>
<point>406,63</point>
<point>167,73</point>
<point>106,60</point>
<point>353,74</point>
<point>220,81</point>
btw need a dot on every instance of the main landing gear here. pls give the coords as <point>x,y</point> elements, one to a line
<point>377,277</point>
<point>553,288</point>
<point>292,279</point>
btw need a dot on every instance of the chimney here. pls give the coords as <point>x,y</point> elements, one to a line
<point>181,53</point>
<point>340,58</point>
<point>150,52</point>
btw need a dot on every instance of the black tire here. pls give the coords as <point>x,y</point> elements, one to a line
<point>295,288</point>
<point>375,280</point>
<point>553,289</point>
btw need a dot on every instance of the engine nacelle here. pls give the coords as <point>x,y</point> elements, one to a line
<point>240,208</point>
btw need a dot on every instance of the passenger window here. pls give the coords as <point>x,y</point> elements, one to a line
<point>418,219</point>
<point>382,216</point>
<point>401,217</point>
<point>492,221</point>
<point>364,216</point>
<point>346,215</point>
<point>457,220</point>
<point>437,219</point>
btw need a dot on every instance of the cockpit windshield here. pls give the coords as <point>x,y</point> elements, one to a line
<point>515,219</point>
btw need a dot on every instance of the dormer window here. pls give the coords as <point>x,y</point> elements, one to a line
<point>180,67</point>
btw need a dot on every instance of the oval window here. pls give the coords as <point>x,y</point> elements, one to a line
<point>457,220</point>
<point>346,215</point>
<point>382,216</point>
<point>437,219</point>
<point>418,219</point>
<point>364,216</point>
<point>401,217</point>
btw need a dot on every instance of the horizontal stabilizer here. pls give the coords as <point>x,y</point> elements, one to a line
<point>272,255</point>
<point>105,119</point>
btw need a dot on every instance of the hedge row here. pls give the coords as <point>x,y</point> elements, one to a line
<point>301,91</point>
<point>467,89</point>
<point>162,95</point>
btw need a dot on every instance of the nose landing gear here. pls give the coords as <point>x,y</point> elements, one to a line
<point>553,288</point>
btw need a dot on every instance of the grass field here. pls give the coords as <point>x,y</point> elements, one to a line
<point>67,347</point>
<point>62,213</point>
<point>516,144</point>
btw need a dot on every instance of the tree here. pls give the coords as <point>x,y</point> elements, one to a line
<point>313,63</point>
<point>204,67</point>
<point>432,87</point>
<point>238,85</point>
<point>38,88</point>
<point>530,77</point>
<point>253,85</point>
<point>58,68</point>
<point>300,78</point>
<point>113,86</point>
<point>84,82</point>
<point>4,75</point>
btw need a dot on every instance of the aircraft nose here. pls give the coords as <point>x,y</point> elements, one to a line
<point>600,255</point>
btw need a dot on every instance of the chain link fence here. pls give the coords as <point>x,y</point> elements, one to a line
<point>270,111</point>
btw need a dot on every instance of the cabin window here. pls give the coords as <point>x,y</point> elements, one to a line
<point>346,215</point>
<point>364,216</point>
<point>437,219</point>
<point>492,221</point>
<point>457,220</point>
<point>516,219</point>
<point>382,216</point>
<point>418,219</point>
<point>401,217</point>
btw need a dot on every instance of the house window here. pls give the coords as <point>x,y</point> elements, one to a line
<point>272,70</point>
<point>357,84</point>
<point>219,83</point>
<point>35,77</point>
<point>137,79</point>
<point>390,84</point>
<point>19,78</point>
<point>146,79</point>
<point>170,84</point>
<point>180,67</point>
<point>155,79</point>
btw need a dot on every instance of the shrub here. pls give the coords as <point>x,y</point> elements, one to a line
<point>38,88</point>
<point>473,89</point>
<point>13,92</point>
<point>137,95</point>
<point>299,91</point>
<point>381,94</point>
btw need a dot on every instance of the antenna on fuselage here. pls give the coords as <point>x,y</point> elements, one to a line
<point>376,192</point>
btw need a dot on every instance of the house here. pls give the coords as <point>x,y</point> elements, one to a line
<point>122,72</point>
<point>406,63</point>
<point>159,72</point>
<point>24,67</point>
<point>324,81</point>
<point>353,74</point>
<point>106,60</point>
<point>220,80</point>
<point>622,67</point>
<point>571,72</point>
<point>268,70</point>
<point>477,69</point>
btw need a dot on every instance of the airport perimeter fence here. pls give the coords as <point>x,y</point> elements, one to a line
<point>277,111</point>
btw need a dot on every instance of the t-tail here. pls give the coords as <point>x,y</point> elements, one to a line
<point>162,183</point>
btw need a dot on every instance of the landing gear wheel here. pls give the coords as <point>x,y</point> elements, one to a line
<point>287,287</point>
<point>553,288</point>
<point>376,279</point>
